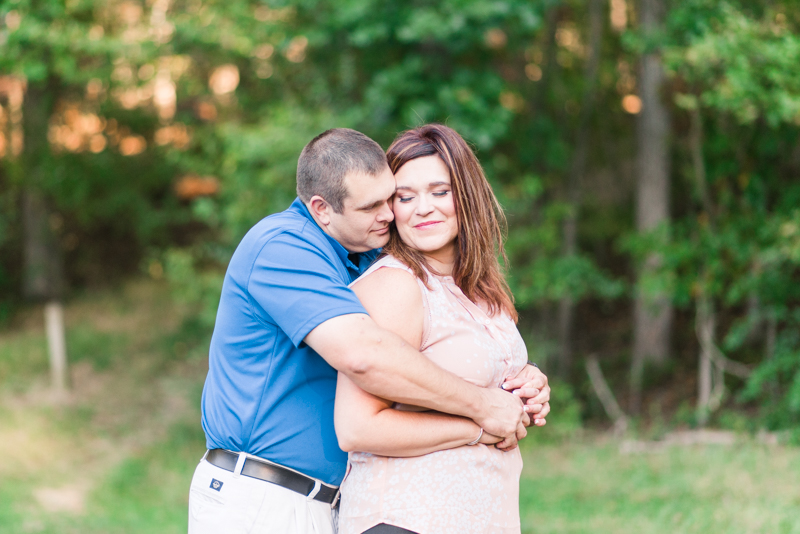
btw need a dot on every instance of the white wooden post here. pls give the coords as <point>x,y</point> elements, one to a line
<point>56,344</point>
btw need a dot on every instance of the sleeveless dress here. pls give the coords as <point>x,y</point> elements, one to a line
<point>468,489</point>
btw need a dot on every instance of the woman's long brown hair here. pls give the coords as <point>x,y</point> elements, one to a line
<point>479,242</point>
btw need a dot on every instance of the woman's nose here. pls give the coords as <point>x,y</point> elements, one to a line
<point>424,207</point>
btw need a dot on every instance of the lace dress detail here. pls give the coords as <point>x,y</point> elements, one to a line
<point>469,489</point>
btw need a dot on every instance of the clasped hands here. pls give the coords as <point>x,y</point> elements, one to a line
<point>532,388</point>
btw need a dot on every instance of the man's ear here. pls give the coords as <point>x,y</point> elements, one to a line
<point>320,209</point>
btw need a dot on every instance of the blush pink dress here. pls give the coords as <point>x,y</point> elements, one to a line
<point>469,489</point>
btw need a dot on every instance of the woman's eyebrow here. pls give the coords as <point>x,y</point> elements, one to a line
<point>432,184</point>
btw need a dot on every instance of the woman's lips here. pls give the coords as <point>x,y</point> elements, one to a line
<point>426,224</point>
<point>382,230</point>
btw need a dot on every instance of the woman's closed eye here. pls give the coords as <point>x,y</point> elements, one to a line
<point>403,199</point>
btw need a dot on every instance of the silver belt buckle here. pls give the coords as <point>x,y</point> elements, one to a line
<point>336,496</point>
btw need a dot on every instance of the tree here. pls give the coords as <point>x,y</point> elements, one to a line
<point>63,57</point>
<point>652,310</point>
<point>577,170</point>
<point>734,67</point>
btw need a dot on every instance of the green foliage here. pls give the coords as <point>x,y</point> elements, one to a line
<point>196,289</point>
<point>260,165</point>
<point>734,242</point>
<point>776,381</point>
<point>540,271</point>
<point>742,65</point>
<point>508,75</point>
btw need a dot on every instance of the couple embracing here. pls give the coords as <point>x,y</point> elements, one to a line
<point>370,317</point>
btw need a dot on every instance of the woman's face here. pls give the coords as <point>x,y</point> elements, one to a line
<point>424,210</point>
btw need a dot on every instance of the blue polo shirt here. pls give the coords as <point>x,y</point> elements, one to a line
<point>268,393</point>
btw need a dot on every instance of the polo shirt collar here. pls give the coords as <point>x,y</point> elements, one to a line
<point>364,259</point>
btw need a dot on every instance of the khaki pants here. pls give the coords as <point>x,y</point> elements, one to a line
<point>221,502</point>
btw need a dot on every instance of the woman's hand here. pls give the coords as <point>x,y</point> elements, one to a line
<point>531,385</point>
<point>507,444</point>
<point>489,439</point>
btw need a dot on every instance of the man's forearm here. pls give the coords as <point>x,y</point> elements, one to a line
<point>386,366</point>
<point>382,363</point>
<point>391,369</point>
<point>399,373</point>
<point>367,423</point>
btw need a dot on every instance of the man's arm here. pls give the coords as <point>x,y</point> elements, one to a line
<point>382,363</point>
<point>368,423</point>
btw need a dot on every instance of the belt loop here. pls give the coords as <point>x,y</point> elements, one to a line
<point>315,490</point>
<point>237,471</point>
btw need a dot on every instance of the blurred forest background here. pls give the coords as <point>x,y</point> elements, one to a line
<point>647,154</point>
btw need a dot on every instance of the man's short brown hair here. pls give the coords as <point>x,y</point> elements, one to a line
<point>329,157</point>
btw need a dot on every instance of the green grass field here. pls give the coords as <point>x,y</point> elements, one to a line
<point>117,454</point>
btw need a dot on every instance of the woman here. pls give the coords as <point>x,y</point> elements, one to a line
<point>440,288</point>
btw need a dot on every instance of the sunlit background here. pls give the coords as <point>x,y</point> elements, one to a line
<point>647,156</point>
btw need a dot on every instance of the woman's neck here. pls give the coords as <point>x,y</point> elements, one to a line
<point>441,261</point>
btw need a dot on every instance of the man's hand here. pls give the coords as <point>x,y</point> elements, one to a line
<point>510,443</point>
<point>532,387</point>
<point>501,413</point>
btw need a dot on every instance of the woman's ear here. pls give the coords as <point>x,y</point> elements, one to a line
<point>320,210</point>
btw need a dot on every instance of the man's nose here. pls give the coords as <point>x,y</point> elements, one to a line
<point>386,214</point>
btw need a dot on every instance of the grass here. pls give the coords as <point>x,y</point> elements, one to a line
<point>117,455</point>
<point>590,486</point>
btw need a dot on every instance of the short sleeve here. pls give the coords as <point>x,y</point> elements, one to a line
<point>299,285</point>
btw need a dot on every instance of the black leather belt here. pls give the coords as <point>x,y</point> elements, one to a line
<point>274,474</point>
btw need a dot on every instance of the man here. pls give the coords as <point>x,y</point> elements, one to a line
<point>286,323</point>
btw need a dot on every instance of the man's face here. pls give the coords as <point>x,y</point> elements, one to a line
<point>364,222</point>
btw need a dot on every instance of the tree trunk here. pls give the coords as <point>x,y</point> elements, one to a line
<point>769,349</point>
<point>652,313</point>
<point>705,320</point>
<point>605,395</point>
<point>566,307</point>
<point>705,328</point>
<point>43,272</point>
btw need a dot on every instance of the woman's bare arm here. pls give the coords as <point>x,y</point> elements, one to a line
<point>368,423</point>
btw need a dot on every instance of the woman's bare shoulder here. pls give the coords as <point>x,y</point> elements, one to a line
<point>393,299</point>
<point>389,284</point>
